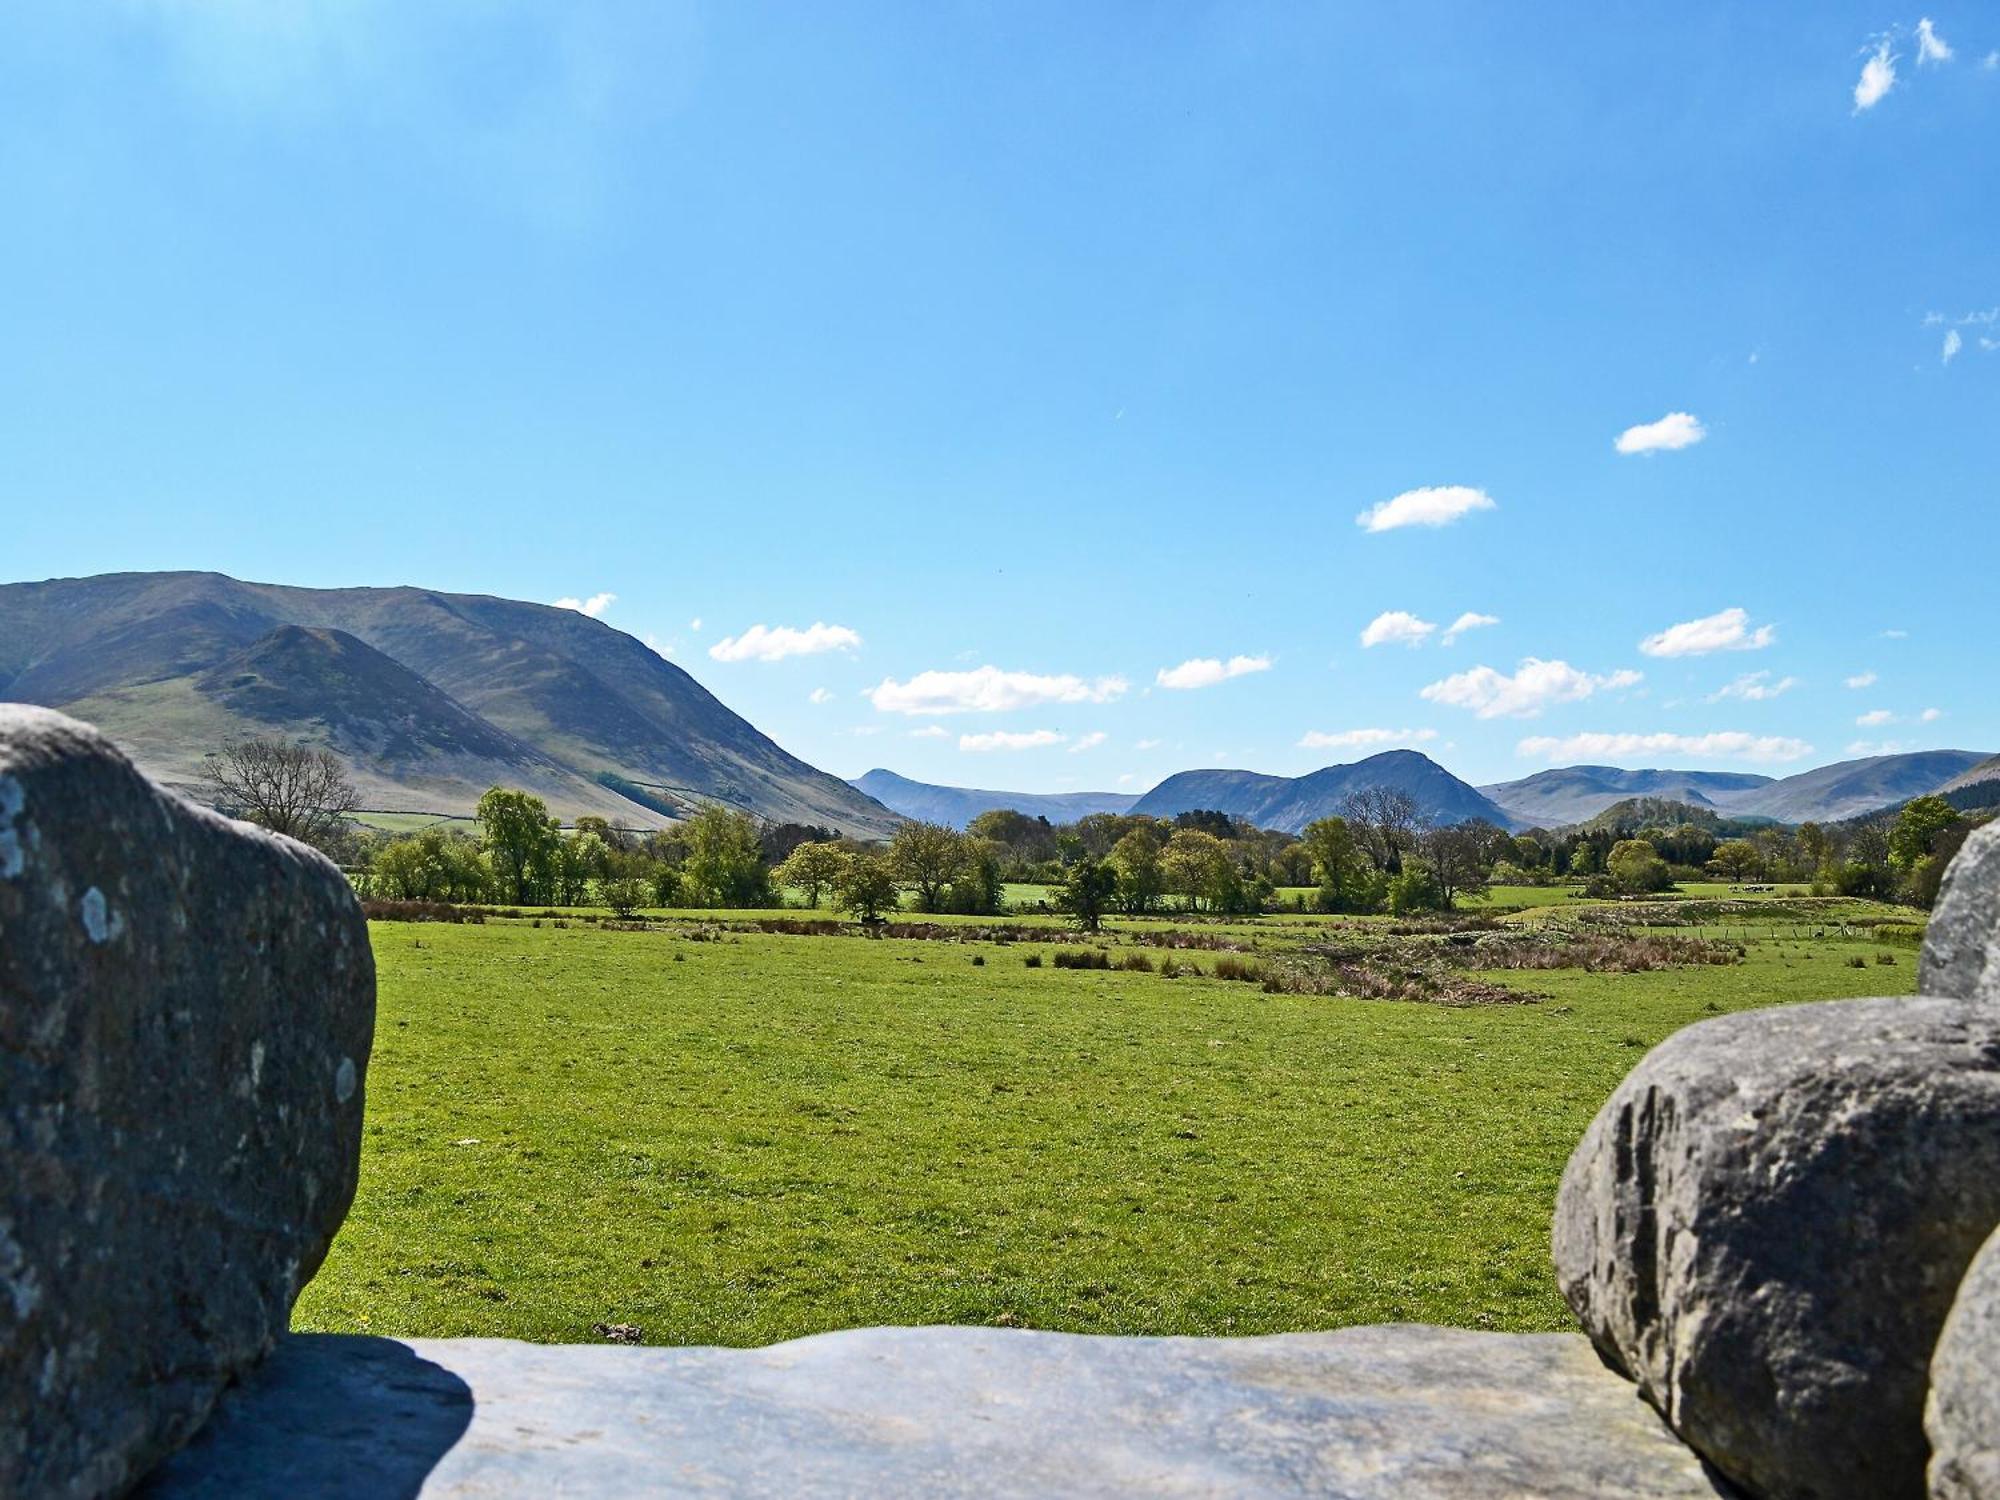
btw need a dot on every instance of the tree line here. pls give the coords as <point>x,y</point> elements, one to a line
<point>1380,853</point>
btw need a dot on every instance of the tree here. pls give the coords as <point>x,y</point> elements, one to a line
<point>812,868</point>
<point>1917,827</point>
<point>295,790</point>
<point>1635,865</point>
<point>521,840</point>
<point>1087,890</point>
<point>1737,859</point>
<point>434,865</point>
<point>725,859</point>
<point>1340,866</point>
<point>1387,822</point>
<point>1141,881</point>
<point>1414,888</point>
<point>1198,868</point>
<point>928,857</point>
<point>866,886</point>
<point>1457,856</point>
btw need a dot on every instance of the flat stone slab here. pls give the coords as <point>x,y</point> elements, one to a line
<point>1398,1412</point>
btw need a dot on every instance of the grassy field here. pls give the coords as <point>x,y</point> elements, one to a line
<point>735,1136</point>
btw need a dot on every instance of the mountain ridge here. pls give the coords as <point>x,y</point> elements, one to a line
<point>931,802</point>
<point>564,699</point>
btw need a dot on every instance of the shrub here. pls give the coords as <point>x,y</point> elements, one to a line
<point>1135,963</point>
<point>1032,960</point>
<point>1082,958</point>
<point>1238,969</point>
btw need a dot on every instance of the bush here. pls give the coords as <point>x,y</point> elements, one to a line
<point>1082,958</point>
<point>1238,969</point>
<point>1032,960</point>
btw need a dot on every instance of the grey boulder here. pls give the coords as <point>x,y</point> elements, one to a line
<point>1962,944</point>
<point>1963,1417</point>
<point>186,1006</point>
<point>1766,1225</point>
<point>1396,1413</point>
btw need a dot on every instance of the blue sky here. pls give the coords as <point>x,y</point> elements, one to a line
<point>997,392</point>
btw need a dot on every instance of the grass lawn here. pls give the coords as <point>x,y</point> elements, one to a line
<point>747,1139</point>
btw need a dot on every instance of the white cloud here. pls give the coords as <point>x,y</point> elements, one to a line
<point>1534,686</point>
<point>1003,739</point>
<point>1990,62</point>
<point>1436,505</point>
<point>1931,48</point>
<point>1207,671</point>
<point>594,606</point>
<point>1754,687</point>
<point>1349,739</point>
<point>987,690</point>
<point>658,646</point>
<point>1724,745</point>
<point>1728,630</point>
<point>1147,745</point>
<point>695,624</point>
<point>1396,627</point>
<point>1467,621</point>
<point>931,732</point>
<point>819,695</point>
<point>1089,742</point>
<point>1677,429</point>
<point>1875,718</point>
<point>1878,76</point>
<point>1862,680</point>
<point>1952,344</point>
<point>1895,635</point>
<point>776,642</point>
<point>1931,715</point>
<point>1879,747</point>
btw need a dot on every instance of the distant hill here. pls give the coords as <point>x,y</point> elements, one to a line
<point>957,806</point>
<point>1636,813</point>
<point>1576,794</point>
<point>1977,787</point>
<point>1291,802</point>
<point>430,697</point>
<point>1828,794</point>
<point>1849,788</point>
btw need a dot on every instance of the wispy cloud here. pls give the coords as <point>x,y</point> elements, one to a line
<point>1089,741</point>
<point>1352,739</point>
<point>1004,739</point>
<point>1953,342</point>
<point>1862,680</point>
<point>594,606</point>
<point>1931,48</point>
<point>1878,76</point>
<point>1396,627</point>
<point>931,732</point>
<point>1724,745</point>
<point>1533,686</point>
<point>820,695</point>
<point>1677,429</point>
<point>547,135</point>
<point>1865,748</point>
<point>1727,630</point>
<point>1754,687</point>
<point>1146,745</point>
<point>1207,671</point>
<point>1438,505</point>
<point>1931,715</point>
<point>776,642</point>
<point>1875,718</point>
<point>988,690</point>
<point>1465,622</point>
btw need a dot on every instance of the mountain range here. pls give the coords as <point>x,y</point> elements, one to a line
<point>1827,794</point>
<point>957,806</point>
<point>430,697</point>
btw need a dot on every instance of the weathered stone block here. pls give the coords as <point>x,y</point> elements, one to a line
<point>1962,945</point>
<point>1398,1413</point>
<point>1963,1417</point>
<point>1767,1223</point>
<point>186,1006</point>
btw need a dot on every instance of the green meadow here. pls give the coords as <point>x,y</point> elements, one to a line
<point>736,1136</point>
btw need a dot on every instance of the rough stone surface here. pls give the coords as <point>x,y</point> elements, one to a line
<point>1962,945</point>
<point>1766,1225</point>
<point>1963,1417</point>
<point>186,1007</point>
<point>1397,1413</point>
